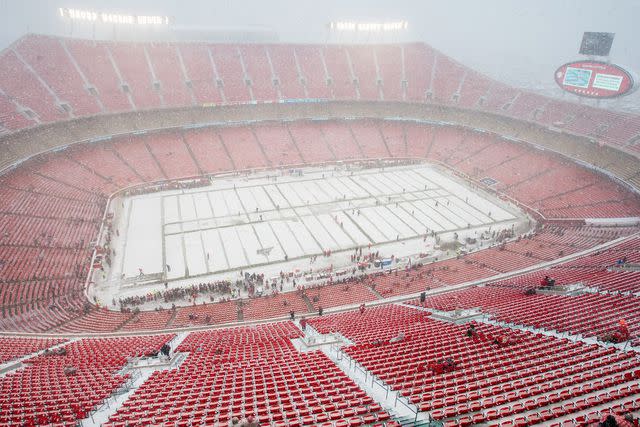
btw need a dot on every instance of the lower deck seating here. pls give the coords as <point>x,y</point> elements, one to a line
<point>43,394</point>
<point>249,371</point>
<point>499,375</point>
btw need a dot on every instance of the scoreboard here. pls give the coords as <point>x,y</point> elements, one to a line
<point>594,79</point>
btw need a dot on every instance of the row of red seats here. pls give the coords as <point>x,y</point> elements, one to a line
<point>44,315</point>
<point>19,230</point>
<point>25,293</point>
<point>13,348</point>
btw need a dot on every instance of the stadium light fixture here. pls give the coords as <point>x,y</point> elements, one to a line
<point>369,26</point>
<point>112,18</point>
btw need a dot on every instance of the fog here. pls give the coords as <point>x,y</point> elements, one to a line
<point>517,42</point>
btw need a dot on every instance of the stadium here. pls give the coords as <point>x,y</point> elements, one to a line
<point>344,233</point>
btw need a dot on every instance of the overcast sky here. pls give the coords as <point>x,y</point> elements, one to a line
<point>522,42</point>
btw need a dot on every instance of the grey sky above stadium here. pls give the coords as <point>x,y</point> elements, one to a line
<point>516,41</point>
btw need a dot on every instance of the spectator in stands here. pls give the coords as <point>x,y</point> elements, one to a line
<point>320,310</point>
<point>622,261</point>
<point>471,330</point>
<point>361,308</point>
<point>303,323</point>
<point>547,282</point>
<point>502,340</point>
<point>631,420</point>
<point>249,421</point>
<point>612,420</point>
<point>292,315</point>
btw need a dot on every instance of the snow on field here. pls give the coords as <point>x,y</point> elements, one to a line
<point>144,247</point>
<point>279,222</point>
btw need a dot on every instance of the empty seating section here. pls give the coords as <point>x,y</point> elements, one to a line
<point>199,70</point>
<point>281,148</point>
<point>133,66</point>
<point>249,371</point>
<point>480,163</point>
<point>96,320</point>
<point>526,104</point>
<point>473,143</point>
<point>13,348</point>
<point>286,71</point>
<point>518,170</point>
<point>52,64</point>
<point>313,71</point>
<point>340,294</point>
<point>24,231</point>
<point>622,130</point>
<point>590,315</point>
<point>66,171</point>
<point>10,118</point>
<point>230,71</point>
<point>207,148</point>
<point>473,87</point>
<point>224,312</point>
<point>138,157</point>
<point>21,85</point>
<point>340,140</point>
<point>95,62</point>
<point>374,324</point>
<point>339,71</point>
<point>243,148</point>
<point>169,72</point>
<point>173,156</point>
<point>259,71</point>
<point>369,138</point>
<point>30,203</point>
<point>532,376</point>
<point>24,179</point>
<point>446,79</point>
<point>273,306</point>
<point>306,139</point>
<point>420,139</point>
<point>27,262</point>
<point>394,138</point>
<point>499,97</point>
<point>148,321</point>
<point>105,77</point>
<point>52,208</point>
<point>390,71</point>
<point>445,143</point>
<point>40,305</point>
<point>419,63</point>
<point>42,394</point>
<point>105,160</point>
<point>364,66</point>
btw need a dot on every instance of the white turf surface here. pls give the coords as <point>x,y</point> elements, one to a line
<point>213,232</point>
